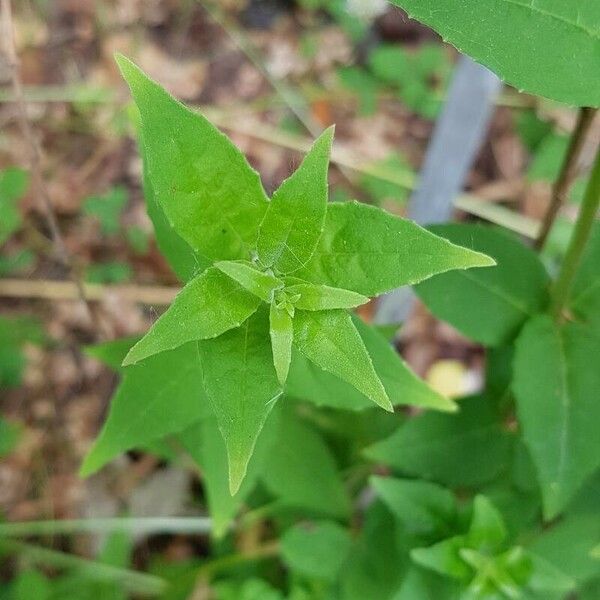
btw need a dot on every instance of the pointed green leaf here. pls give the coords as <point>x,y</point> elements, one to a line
<point>555,371</point>
<point>369,251</point>
<point>112,353</point>
<point>208,305</point>
<point>531,44</point>
<point>204,184</point>
<point>206,446</point>
<point>424,508</point>
<point>487,530</point>
<point>281,330</point>
<point>464,449</point>
<point>331,341</point>
<point>257,282</point>
<point>240,380</point>
<point>488,305</point>
<point>307,381</point>
<point>294,220</point>
<point>323,297</point>
<point>316,549</point>
<point>302,472</point>
<point>162,395</point>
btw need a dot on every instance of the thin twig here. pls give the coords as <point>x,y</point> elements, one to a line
<point>34,153</point>
<point>567,173</point>
<point>47,289</point>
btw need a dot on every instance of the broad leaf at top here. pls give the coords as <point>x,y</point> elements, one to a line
<point>330,340</point>
<point>242,385</point>
<point>369,251</point>
<point>204,184</point>
<point>161,395</point>
<point>208,305</point>
<point>545,47</point>
<point>555,383</point>
<point>488,305</point>
<point>294,220</point>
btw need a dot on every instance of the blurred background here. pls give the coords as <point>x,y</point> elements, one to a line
<point>271,74</point>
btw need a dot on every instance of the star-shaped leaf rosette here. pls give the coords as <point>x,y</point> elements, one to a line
<point>267,309</point>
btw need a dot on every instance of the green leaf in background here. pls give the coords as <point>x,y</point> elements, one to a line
<point>107,208</point>
<point>369,251</point>
<point>487,530</point>
<point>301,471</point>
<point>112,353</point>
<point>257,282</point>
<point>465,449</point>
<point>383,191</point>
<point>294,220</point>
<point>108,272</point>
<point>315,549</point>
<point>331,341</point>
<point>444,558</point>
<point>16,261</point>
<point>323,297</point>
<point>420,584</point>
<point>13,185</point>
<point>281,330</point>
<point>31,584</point>
<point>208,305</point>
<point>554,374</point>
<point>364,85</point>
<point>242,385</point>
<point>204,184</point>
<point>14,334</point>
<point>548,158</point>
<point>424,508</point>
<point>585,295</point>
<point>529,44</point>
<point>488,305</point>
<point>184,261</point>
<point>163,394</point>
<point>10,434</point>
<point>138,240</point>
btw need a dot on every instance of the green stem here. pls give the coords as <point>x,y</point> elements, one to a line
<point>581,234</point>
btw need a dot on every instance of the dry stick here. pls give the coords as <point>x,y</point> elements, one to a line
<point>35,154</point>
<point>567,173</point>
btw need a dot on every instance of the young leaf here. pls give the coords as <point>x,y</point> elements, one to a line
<point>487,530</point>
<point>555,371</point>
<point>250,278</point>
<point>281,330</point>
<point>242,385</point>
<point>424,508</point>
<point>302,473</point>
<point>529,44</point>
<point>208,305</point>
<point>465,449</point>
<point>488,305</point>
<point>294,220</point>
<point>369,251</point>
<point>162,395</point>
<point>315,550</point>
<point>331,341</point>
<point>323,297</point>
<point>204,184</point>
<point>444,558</point>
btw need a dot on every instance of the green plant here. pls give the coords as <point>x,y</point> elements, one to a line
<point>259,372</point>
